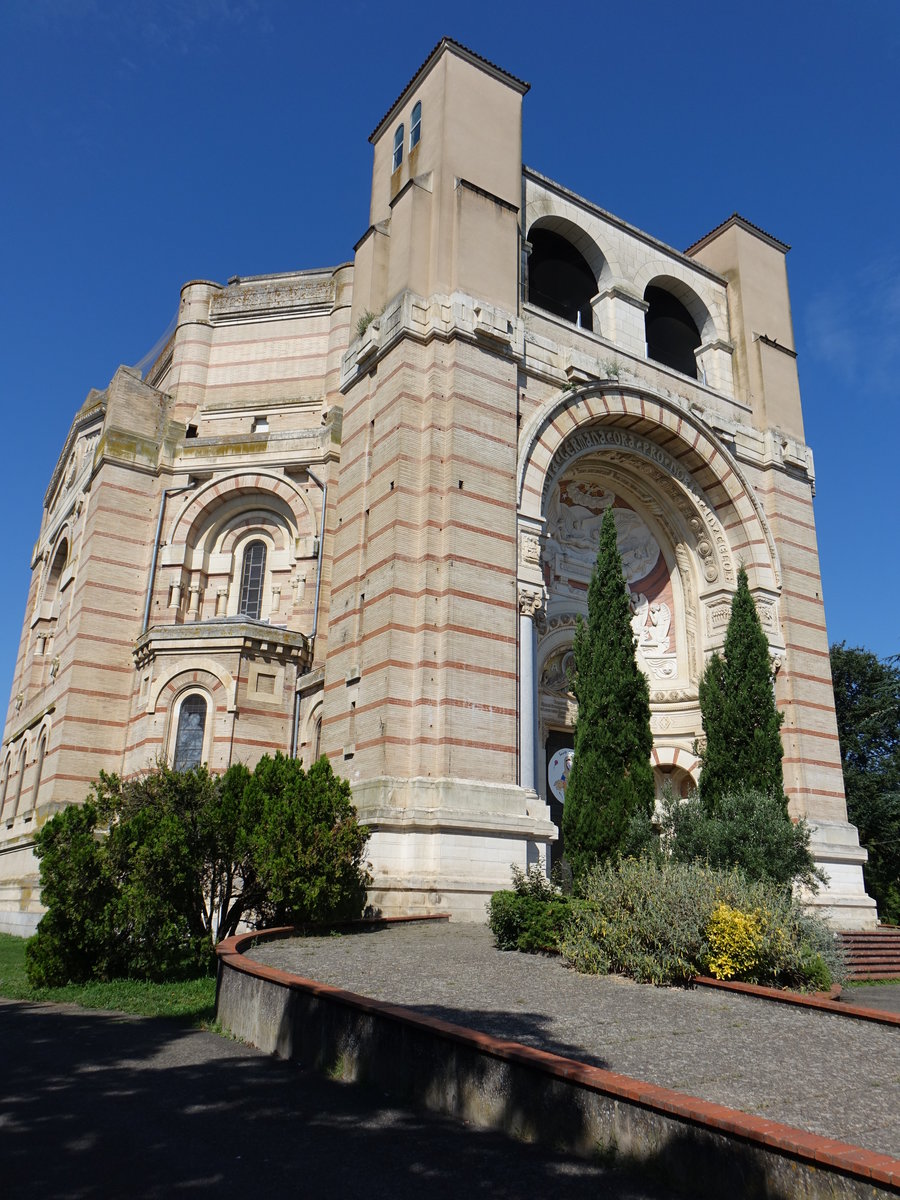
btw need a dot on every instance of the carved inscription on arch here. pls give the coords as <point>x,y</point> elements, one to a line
<point>710,541</point>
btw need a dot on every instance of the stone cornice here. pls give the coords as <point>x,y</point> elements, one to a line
<point>228,634</point>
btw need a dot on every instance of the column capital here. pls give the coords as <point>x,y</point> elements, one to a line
<point>531,599</point>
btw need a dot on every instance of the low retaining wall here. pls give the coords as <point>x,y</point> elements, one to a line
<point>715,1151</point>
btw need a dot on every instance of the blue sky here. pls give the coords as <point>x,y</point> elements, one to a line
<point>148,143</point>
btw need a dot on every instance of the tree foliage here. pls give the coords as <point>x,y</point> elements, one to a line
<point>737,705</point>
<point>187,857</point>
<point>748,829</point>
<point>307,844</point>
<point>867,703</point>
<point>611,776</point>
<point>78,890</point>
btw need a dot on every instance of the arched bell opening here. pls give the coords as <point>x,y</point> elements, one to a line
<point>560,279</point>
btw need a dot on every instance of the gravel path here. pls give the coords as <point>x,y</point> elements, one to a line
<point>823,1073</point>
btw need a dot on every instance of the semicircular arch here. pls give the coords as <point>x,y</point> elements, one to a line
<point>579,238</point>
<point>683,454</point>
<point>707,314</point>
<point>668,757</point>
<point>196,510</point>
<point>181,678</point>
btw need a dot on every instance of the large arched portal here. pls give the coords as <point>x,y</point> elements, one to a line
<point>684,519</point>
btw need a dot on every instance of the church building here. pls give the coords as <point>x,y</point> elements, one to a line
<point>354,511</point>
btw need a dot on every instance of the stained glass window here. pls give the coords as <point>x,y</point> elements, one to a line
<point>191,727</point>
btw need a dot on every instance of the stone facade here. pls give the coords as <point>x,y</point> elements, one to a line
<point>354,511</point>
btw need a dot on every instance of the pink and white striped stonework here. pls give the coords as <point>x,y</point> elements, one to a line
<point>353,511</point>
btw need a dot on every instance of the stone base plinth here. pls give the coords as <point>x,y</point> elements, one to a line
<point>20,890</point>
<point>444,845</point>
<point>842,900</point>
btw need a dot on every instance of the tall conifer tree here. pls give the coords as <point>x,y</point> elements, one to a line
<point>611,777</point>
<point>737,704</point>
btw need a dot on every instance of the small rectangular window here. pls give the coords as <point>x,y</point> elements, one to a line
<point>415,127</point>
<point>398,148</point>
<point>260,424</point>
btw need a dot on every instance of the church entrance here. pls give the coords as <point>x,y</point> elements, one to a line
<point>558,750</point>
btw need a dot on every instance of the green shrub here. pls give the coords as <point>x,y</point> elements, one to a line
<point>186,858</point>
<point>748,828</point>
<point>532,917</point>
<point>307,845</point>
<point>74,940</point>
<point>654,921</point>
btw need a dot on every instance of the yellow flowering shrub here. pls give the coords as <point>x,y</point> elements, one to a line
<point>735,941</point>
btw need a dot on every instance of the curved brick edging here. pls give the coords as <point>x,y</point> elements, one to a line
<point>818,1001</point>
<point>531,1093</point>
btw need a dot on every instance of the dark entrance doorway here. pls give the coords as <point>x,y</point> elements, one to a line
<point>557,739</point>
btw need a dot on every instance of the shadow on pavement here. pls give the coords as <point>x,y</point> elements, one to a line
<point>529,1028</point>
<point>98,1105</point>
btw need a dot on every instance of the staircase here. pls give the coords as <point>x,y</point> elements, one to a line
<point>873,955</point>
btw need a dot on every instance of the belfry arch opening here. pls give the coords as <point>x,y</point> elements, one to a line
<point>560,279</point>
<point>671,332</point>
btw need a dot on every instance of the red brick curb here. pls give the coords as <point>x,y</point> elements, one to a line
<point>815,1001</point>
<point>809,1148</point>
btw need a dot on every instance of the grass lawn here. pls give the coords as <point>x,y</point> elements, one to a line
<point>193,1001</point>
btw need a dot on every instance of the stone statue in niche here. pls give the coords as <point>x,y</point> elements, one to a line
<point>650,624</point>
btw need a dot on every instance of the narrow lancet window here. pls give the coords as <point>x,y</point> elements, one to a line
<point>415,127</point>
<point>398,148</point>
<point>252,576</point>
<point>38,769</point>
<point>191,728</point>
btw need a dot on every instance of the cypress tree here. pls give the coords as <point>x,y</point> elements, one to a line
<point>737,704</point>
<point>611,779</point>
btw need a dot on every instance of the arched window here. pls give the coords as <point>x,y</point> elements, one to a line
<point>672,336</point>
<point>253,574</point>
<point>20,780</point>
<point>415,126</point>
<point>55,574</point>
<point>398,148</point>
<point>38,768</point>
<point>4,785</point>
<point>191,729</point>
<point>559,278</point>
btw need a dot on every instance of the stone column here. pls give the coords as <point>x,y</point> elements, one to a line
<point>530,600</point>
<point>619,317</point>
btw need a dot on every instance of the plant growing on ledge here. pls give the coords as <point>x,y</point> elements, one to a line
<point>364,322</point>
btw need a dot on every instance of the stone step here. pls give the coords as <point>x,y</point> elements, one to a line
<point>874,955</point>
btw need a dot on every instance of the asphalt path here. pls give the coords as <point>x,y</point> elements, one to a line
<point>818,1071</point>
<point>884,996</point>
<point>96,1105</point>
